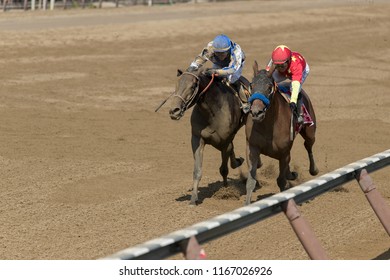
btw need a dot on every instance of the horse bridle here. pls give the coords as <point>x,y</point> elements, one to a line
<point>195,96</point>
<point>266,98</point>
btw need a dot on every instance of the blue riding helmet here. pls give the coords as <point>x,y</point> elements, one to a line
<point>221,43</point>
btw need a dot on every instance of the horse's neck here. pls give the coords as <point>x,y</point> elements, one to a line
<point>204,83</point>
<point>209,90</point>
<point>209,99</point>
<point>277,109</point>
<point>213,101</point>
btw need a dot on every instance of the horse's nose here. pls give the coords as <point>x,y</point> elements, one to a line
<point>257,116</point>
<point>175,113</point>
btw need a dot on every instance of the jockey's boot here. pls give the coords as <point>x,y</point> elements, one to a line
<point>299,110</point>
<point>245,106</point>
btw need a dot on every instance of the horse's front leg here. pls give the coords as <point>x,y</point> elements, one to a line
<point>197,144</point>
<point>252,157</point>
<point>313,167</point>
<point>291,175</point>
<point>309,137</point>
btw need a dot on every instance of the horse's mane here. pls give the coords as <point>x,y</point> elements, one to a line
<point>200,72</point>
<point>197,72</point>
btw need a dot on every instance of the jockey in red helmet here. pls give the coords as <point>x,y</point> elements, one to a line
<point>228,60</point>
<point>291,67</point>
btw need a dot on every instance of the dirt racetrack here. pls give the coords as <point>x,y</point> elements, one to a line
<point>87,168</point>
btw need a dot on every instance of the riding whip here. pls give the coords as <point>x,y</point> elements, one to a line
<point>162,103</point>
<point>292,127</point>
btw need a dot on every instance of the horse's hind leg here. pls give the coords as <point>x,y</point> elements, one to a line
<point>234,162</point>
<point>308,133</point>
<point>285,173</point>
<point>223,169</point>
<point>197,150</point>
<point>259,163</point>
<point>313,167</point>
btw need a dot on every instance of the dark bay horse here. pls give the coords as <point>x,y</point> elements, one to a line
<point>268,131</point>
<point>216,117</point>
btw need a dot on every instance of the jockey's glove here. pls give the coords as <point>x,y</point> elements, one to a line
<point>293,107</point>
<point>210,71</point>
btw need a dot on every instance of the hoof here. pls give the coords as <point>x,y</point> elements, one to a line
<point>237,163</point>
<point>193,203</point>
<point>194,200</point>
<point>314,172</point>
<point>292,176</point>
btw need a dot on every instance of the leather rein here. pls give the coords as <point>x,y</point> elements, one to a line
<point>195,95</point>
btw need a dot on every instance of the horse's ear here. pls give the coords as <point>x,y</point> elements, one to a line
<point>255,68</point>
<point>179,72</point>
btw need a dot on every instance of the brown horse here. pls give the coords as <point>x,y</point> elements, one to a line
<point>268,130</point>
<point>215,120</point>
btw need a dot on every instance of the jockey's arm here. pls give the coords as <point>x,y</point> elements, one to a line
<point>202,57</point>
<point>269,65</point>
<point>270,68</point>
<point>295,89</point>
<point>224,72</point>
<point>296,77</point>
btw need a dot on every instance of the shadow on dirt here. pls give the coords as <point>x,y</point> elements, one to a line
<point>233,191</point>
<point>384,256</point>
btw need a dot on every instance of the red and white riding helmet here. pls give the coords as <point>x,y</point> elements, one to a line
<point>281,54</point>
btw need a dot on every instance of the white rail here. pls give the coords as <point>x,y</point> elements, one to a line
<point>173,243</point>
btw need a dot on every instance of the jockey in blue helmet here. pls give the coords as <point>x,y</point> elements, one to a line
<point>221,43</point>
<point>228,60</point>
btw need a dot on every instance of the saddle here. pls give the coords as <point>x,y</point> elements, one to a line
<point>244,92</point>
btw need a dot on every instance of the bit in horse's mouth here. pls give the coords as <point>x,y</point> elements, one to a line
<point>176,113</point>
<point>258,117</point>
<point>175,117</point>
